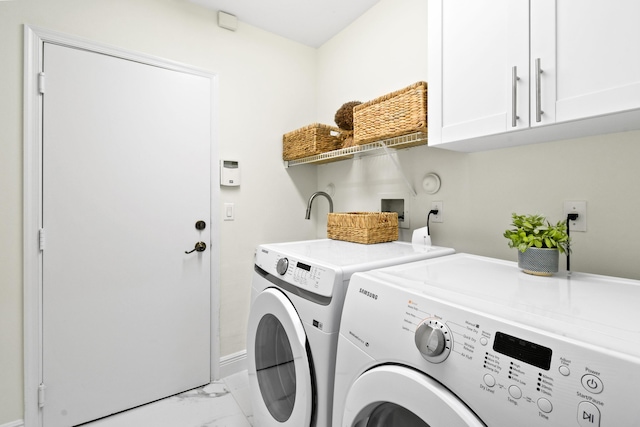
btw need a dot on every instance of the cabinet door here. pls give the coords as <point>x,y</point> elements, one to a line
<point>473,48</point>
<point>588,55</point>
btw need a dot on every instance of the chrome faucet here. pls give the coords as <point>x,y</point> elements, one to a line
<point>313,196</point>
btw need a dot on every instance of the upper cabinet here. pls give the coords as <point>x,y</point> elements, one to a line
<point>473,47</point>
<point>588,53</point>
<point>509,72</point>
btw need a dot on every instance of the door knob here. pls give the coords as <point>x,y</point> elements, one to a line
<point>200,247</point>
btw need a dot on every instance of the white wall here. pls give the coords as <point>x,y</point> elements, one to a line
<point>386,50</point>
<point>267,87</point>
<point>383,51</point>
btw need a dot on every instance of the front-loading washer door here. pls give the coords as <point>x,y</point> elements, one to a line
<point>392,395</point>
<point>280,376</point>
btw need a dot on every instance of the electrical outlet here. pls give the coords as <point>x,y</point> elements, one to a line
<point>436,217</point>
<point>579,207</point>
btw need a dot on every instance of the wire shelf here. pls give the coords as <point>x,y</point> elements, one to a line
<point>405,141</point>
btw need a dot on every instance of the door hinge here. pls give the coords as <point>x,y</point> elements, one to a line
<point>41,238</point>
<point>41,389</point>
<point>41,83</point>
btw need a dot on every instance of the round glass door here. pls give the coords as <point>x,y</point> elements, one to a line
<point>280,381</point>
<point>398,396</point>
<point>275,368</point>
<point>390,414</point>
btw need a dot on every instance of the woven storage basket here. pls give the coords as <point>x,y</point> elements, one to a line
<point>309,141</point>
<point>395,114</point>
<point>363,227</point>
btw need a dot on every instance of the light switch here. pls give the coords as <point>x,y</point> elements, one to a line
<point>228,214</point>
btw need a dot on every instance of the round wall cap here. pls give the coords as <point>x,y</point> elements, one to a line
<point>431,183</point>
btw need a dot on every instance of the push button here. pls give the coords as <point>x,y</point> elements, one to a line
<point>515,392</point>
<point>544,405</point>
<point>489,380</point>
<point>592,384</point>
<point>564,370</point>
<point>588,415</point>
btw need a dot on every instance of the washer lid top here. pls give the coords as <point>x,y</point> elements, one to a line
<point>351,257</point>
<point>591,308</point>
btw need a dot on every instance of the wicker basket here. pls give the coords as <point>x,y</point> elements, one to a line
<point>396,114</point>
<point>363,227</point>
<point>309,141</point>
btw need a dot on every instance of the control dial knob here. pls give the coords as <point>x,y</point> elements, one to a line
<point>282,266</point>
<point>433,340</point>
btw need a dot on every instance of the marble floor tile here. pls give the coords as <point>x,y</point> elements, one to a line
<point>238,385</point>
<point>223,403</point>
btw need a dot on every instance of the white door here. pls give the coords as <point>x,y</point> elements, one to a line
<point>126,176</point>
<point>479,46</point>
<point>397,396</point>
<point>587,51</point>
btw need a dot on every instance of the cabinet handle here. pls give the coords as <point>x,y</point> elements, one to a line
<point>539,111</point>
<point>514,95</point>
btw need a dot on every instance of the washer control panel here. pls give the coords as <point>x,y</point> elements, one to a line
<point>310,277</point>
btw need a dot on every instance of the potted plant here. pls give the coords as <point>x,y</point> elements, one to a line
<point>539,243</point>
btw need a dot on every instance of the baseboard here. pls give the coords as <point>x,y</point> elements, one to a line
<point>17,423</point>
<point>231,364</point>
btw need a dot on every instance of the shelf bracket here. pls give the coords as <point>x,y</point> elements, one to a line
<point>395,162</point>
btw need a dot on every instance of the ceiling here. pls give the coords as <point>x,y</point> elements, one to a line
<point>310,22</point>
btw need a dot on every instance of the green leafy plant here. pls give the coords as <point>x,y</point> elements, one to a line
<point>536,231</point>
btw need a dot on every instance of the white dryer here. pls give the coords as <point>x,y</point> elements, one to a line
<point>467,341</point>
<point>298,291</point>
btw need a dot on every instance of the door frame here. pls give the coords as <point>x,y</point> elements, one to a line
<point>34,39</point>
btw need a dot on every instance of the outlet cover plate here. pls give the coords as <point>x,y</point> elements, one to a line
<point>436,217</point>
<point>579,207</point>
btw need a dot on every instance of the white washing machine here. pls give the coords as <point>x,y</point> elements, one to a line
<point>466,341</point>
<point>298,291</point>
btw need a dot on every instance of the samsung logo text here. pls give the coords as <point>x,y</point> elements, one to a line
<point>369,294</point>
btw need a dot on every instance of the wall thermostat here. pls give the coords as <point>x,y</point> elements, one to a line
<point>229,173</point>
